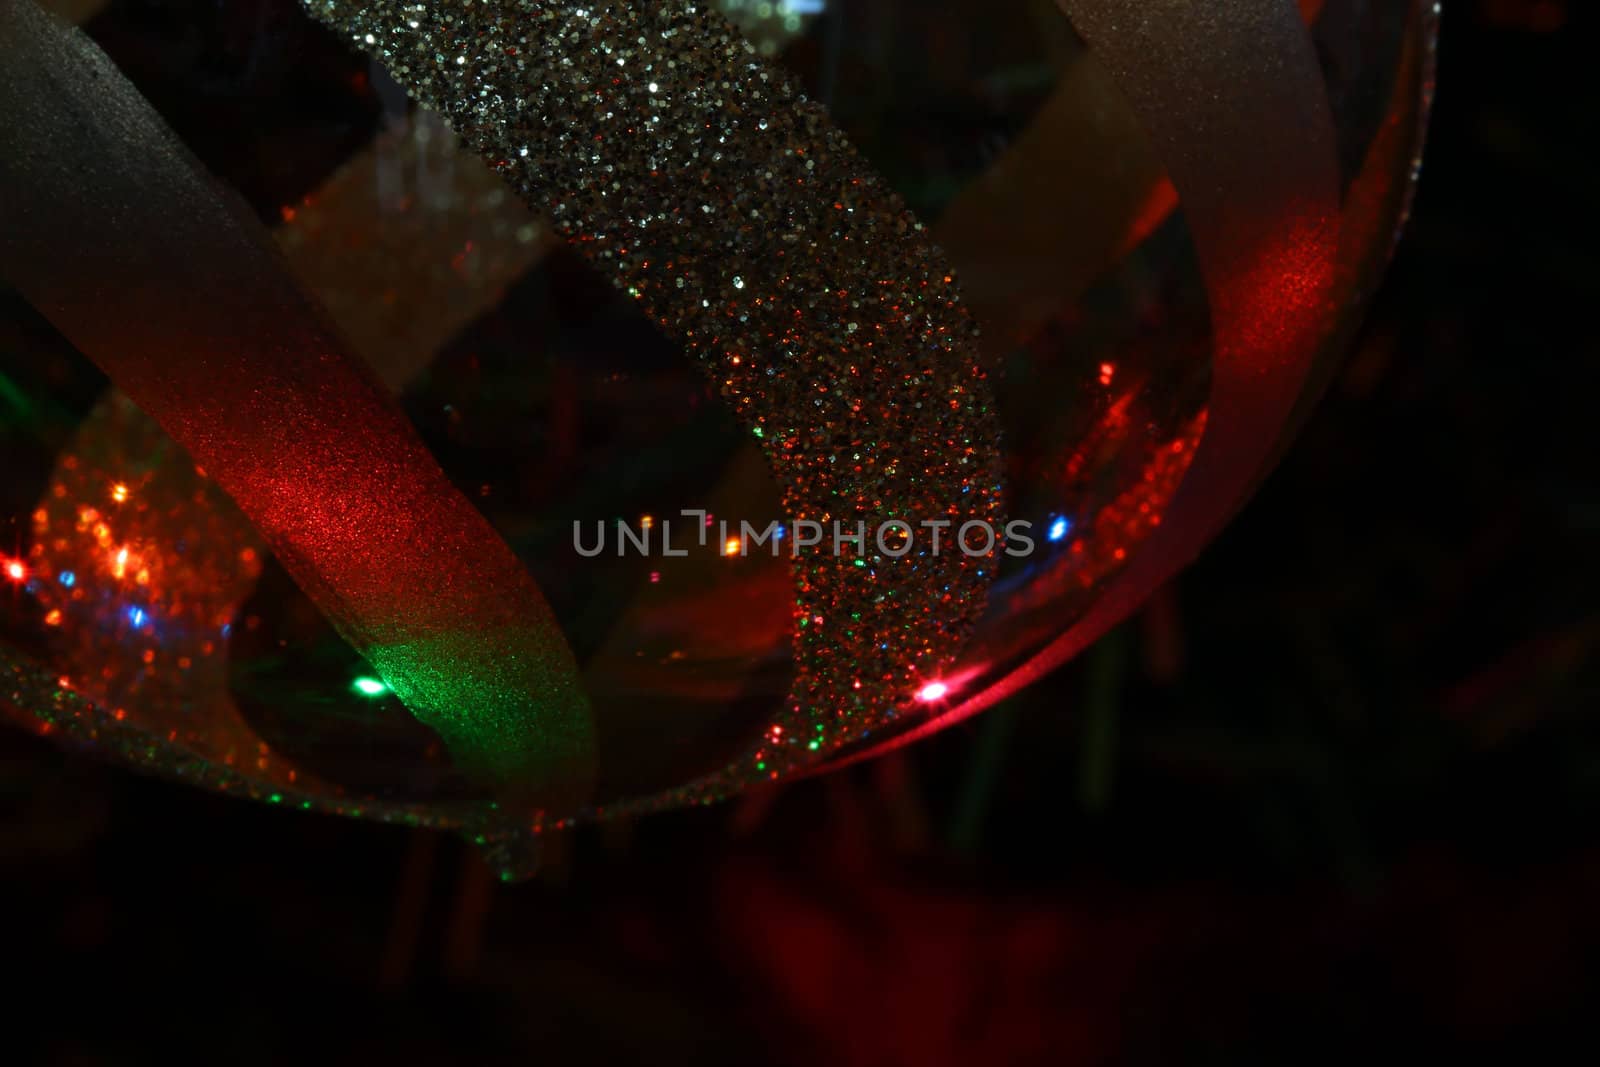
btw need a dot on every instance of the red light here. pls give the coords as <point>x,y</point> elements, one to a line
<point>16,571</point>
<point>933,691</point>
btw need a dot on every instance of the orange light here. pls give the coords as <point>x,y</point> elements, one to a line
<point>732,547</point>
<point>16,571</point>
<point>119,493</point>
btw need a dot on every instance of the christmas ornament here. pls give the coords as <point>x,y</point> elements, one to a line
<point>1055,296</point>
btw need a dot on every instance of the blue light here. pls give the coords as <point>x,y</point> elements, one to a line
<point>136,616</point>
<point>227,628</point>
<point>1059,529</point>
<point>69,579</point>
<point>803,7</point>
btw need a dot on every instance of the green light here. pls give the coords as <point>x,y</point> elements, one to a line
<point>369,687</point>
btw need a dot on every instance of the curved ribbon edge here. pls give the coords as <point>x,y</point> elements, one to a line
<point>333,476</point>
<point>708,188</point>
<point>1248,141</point>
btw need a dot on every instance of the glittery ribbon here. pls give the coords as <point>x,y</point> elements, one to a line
<point>1232,96</point>
<point>105,222</point>
<point>144,565</point>
<point>703,184</point>
<point>1234,100</point>
<point>1229,91</point>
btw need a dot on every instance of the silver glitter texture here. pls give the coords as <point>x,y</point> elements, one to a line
<point>705,185</point>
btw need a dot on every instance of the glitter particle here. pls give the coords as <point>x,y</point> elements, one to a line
<point>827,302</point>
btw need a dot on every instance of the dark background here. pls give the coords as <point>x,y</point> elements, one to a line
<point>1336,792</point>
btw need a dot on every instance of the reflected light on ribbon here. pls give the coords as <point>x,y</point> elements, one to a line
<point>114,233</point>
<point>1234,100</point>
